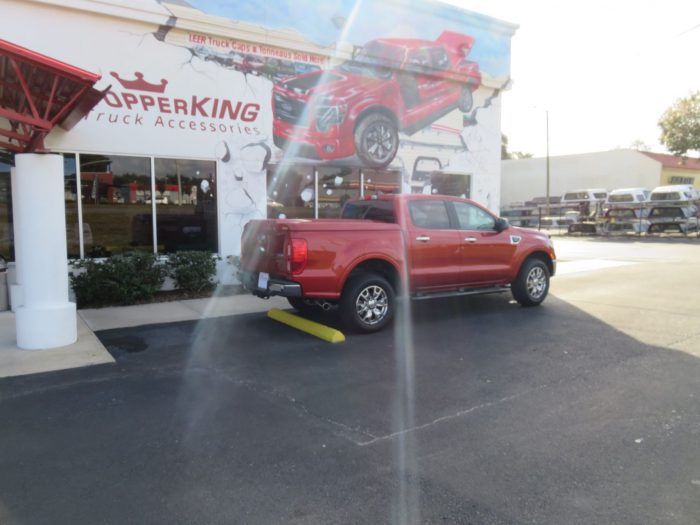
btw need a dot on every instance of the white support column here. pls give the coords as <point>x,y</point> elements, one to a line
<point>16,297</point>
<point>45,319</point>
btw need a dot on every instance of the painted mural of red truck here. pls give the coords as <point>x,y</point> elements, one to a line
<point>359,107</point>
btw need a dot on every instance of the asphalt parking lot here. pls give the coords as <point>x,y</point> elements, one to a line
<point>584,410</point>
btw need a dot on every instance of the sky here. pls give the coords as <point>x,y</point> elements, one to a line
<point>603,71</point>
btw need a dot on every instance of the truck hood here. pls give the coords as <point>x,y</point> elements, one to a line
<point>332,83</point>
<point>530,233</point>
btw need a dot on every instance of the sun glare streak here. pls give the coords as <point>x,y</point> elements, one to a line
<point>292,148</point>
<point>406,504</point>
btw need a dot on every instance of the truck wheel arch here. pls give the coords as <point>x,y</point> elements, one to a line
<point>377,265</point>
<point>374,109</point>
<point>542,256</point>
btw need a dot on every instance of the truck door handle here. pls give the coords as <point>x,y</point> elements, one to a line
<point>470,239</point>
<point>423,238</point>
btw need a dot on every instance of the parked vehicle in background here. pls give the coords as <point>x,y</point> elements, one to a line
<point>587,195</point>
<point>630,197</point>
<point>623,220</point>
<point>673,208</point>
<point>672,218</point>
<point>626,210</point>
<point>424,246</point>
<point>589,205</point>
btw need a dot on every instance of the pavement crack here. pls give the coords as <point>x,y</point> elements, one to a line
<point>449,417</point>
<point>350,433</point>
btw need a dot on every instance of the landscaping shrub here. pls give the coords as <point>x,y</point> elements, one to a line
<point>119,280</point>
<point>193,271</point>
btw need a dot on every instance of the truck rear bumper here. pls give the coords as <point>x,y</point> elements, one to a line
<point>250,281</point>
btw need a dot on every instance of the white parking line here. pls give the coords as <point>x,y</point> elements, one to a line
<point>588,265</point>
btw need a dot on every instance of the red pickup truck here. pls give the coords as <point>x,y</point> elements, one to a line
<point>422,245</point>
<point>359,107</point>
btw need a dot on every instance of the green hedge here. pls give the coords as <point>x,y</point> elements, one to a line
<point>192,271</point>
<point>138,277</point>
<point>118,280</point>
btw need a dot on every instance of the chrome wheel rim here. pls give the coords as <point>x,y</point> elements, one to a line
<point>536,282</point>
<point>380,142</point>
<point>372,304</point>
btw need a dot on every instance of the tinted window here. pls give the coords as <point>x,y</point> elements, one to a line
<point>577,196</point>
<point>623,197</point>
<point>185,196</point>
<point>370,210</point>
<point>290,192</point>
<point>473,218</point>
<point>671,196</point>
<point>379,181</point>
<point>335,186</point>
<point>117,206</point>
<point>429,214</point>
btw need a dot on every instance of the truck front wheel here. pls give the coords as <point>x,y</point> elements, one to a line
<point>376,140</point>
<point>367,303</point>
<point>532,284</point>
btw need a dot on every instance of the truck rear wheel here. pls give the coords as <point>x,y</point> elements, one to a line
<point>367,303</point>
<point>532,284</point>
<point>376,140</point>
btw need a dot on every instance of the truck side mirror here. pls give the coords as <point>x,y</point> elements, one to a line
<point>502,224</point>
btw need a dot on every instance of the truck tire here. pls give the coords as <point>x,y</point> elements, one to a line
<point>367,303</point>
<point>376,140</point>
<point>532,284</point>
<point>466,100</point>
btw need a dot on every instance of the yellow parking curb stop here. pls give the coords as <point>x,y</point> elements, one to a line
<point>310,327</point>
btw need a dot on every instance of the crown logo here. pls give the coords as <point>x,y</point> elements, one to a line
<point>139,84</point>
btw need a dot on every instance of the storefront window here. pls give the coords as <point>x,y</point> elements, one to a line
<point>185,198</point>
<point>423,167</point>
<point>335,186</point>
<point>116,201</point>
<point>6,242</point>
<point>70,196</point>
<point>377,182</point>
<point>290,192</point>
<point>457,185</point>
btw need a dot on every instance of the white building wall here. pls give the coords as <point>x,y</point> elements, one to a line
<point>525,179</point>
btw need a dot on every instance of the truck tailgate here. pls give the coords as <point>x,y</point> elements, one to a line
<point>262,247</point>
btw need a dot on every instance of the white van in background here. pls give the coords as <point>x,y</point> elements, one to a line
<point>628,197</point>
<point>679,194</point>
<point>673,208</point>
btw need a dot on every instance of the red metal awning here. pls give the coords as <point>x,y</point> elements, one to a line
<point>37,93</point>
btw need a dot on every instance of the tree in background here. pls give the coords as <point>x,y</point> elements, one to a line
<point>507,155</point>
<point>680,125</point>
<point>640,145</point>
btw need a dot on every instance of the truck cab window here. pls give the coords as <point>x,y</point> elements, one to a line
<point>473,218</point>
<point>430,214</point>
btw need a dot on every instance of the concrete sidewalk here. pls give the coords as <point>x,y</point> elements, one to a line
<point>88,350</point>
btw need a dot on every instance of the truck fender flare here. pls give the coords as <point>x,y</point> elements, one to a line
<point>356,263</point>
<point>535,252</point>
<point>374,108</point>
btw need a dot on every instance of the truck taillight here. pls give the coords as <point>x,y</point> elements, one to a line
<point>297,254</point>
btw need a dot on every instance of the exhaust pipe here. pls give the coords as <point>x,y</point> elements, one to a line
<point>325,305</point>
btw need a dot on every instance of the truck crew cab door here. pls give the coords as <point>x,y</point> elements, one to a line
<point>486,254</point>
<point>434,247</point>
